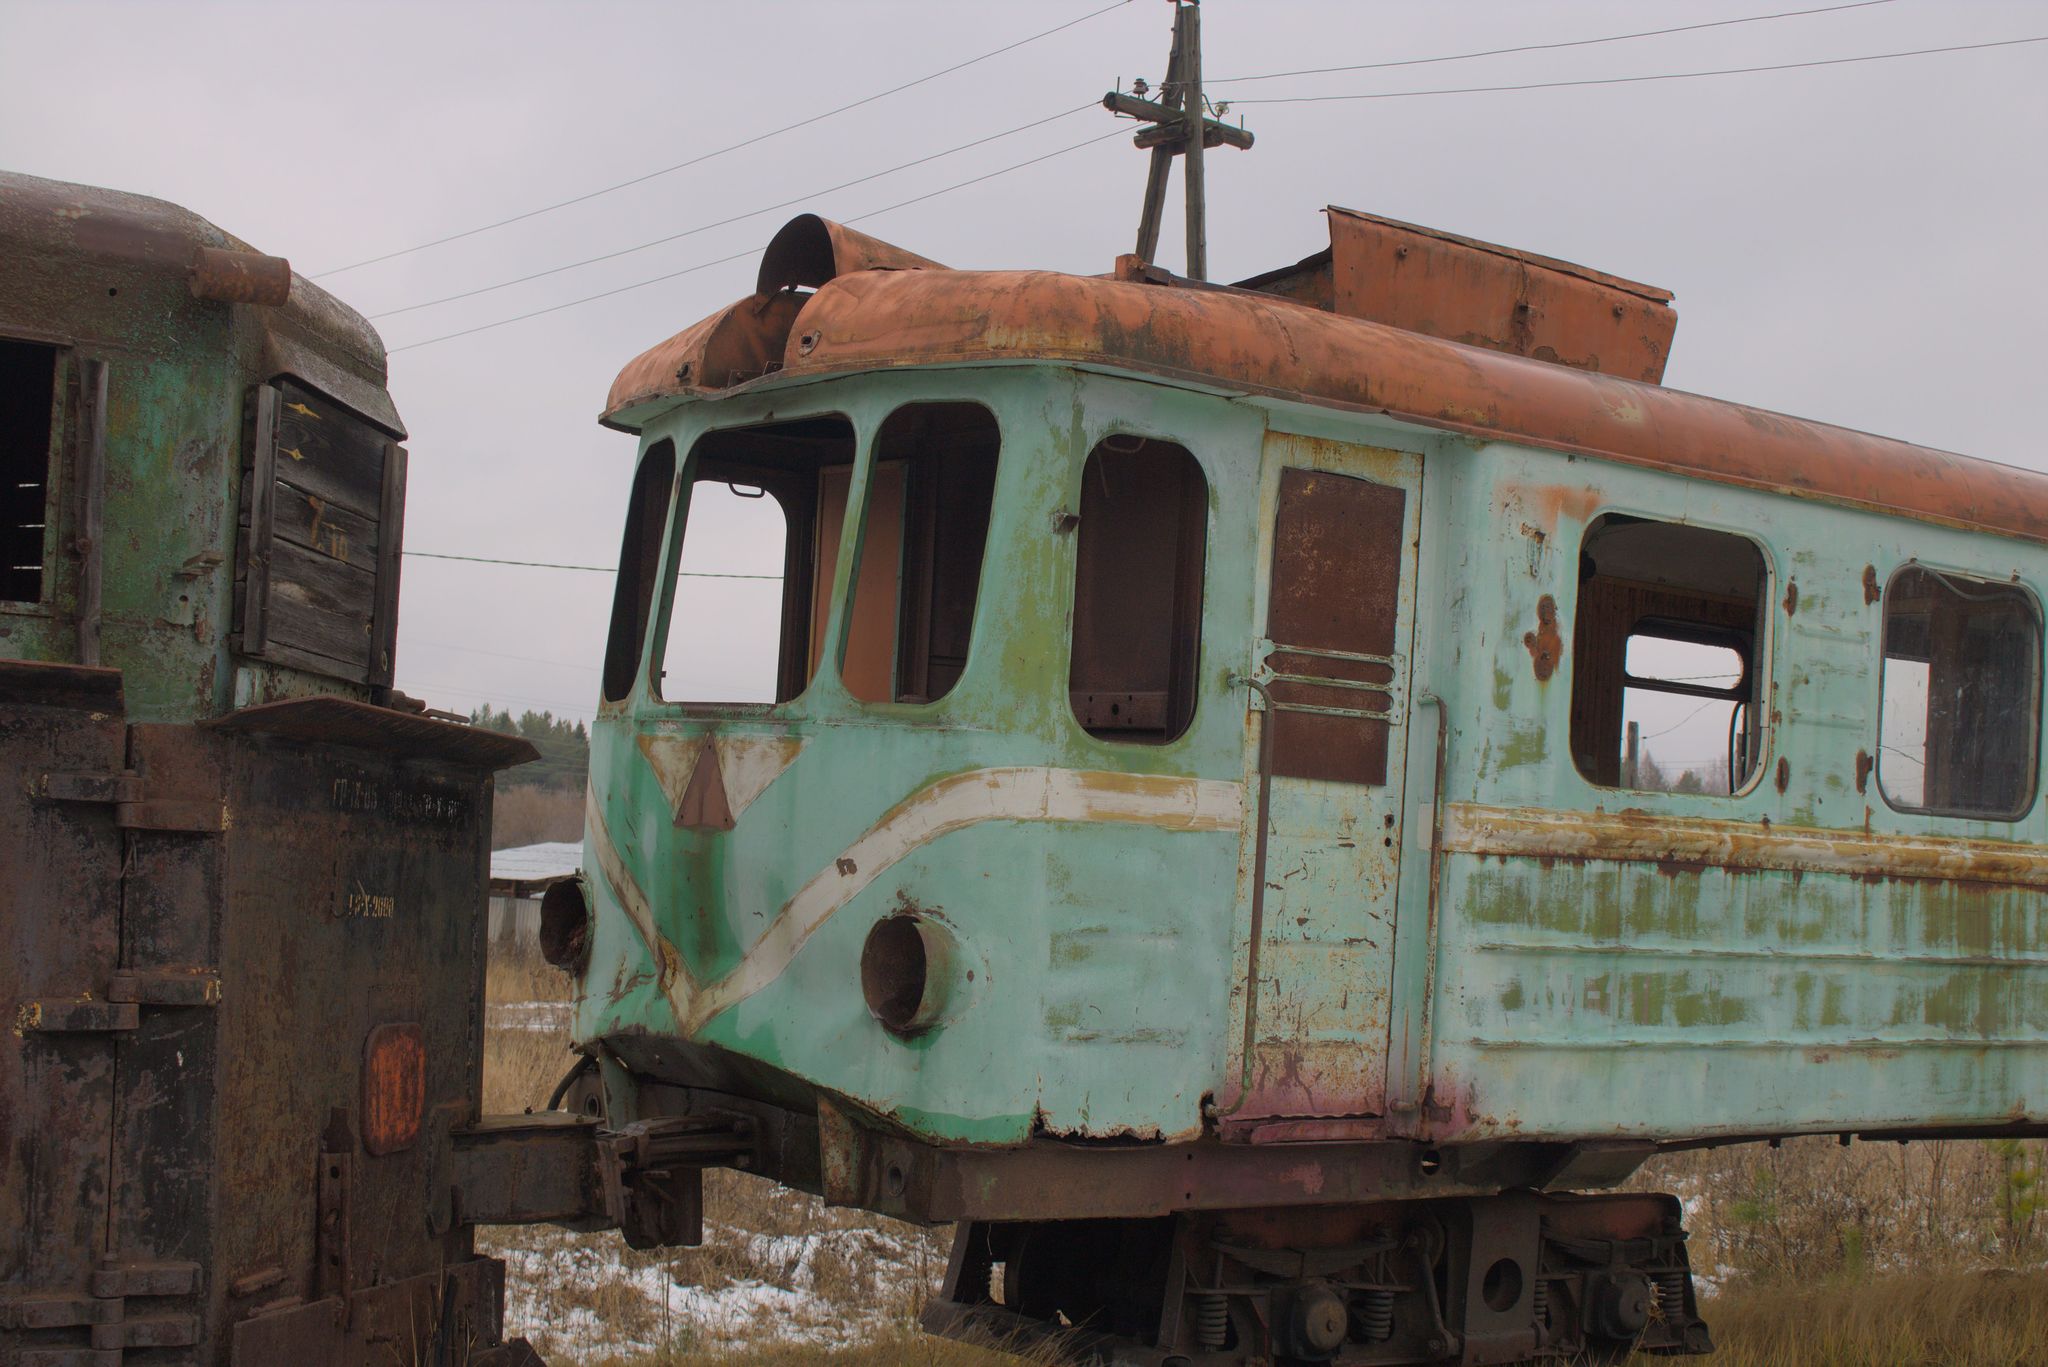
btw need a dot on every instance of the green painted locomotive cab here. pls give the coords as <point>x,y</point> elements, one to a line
<point>1442,903</point>
<point>1062,866</point>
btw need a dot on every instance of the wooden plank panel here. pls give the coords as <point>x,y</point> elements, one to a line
<point>307,519</point>
<point>321,605</point>
<point>328,451</point>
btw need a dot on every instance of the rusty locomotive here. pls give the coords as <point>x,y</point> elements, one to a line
<point>1180,813</point>
<point>241,879</point>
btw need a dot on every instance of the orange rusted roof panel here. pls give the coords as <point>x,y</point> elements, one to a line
<point>1483,294</point>
<point>1242,341</point>
<point>1239,340</point>
<point>735,344</point>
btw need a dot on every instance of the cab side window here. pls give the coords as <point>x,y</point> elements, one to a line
<point>1138,590</point>
<point>931,489</point>
<point>1959,729</point>
<point>28,378</point>
<point>757,547</point>
<point>1667,675</point>
<point>639,567</point>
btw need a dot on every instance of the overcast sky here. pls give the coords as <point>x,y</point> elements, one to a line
<point>1855,243</point>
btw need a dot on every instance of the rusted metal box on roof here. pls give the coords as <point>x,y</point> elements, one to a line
<point>1464,290</point>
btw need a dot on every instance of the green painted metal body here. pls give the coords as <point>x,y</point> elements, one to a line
<point>1476,995</point>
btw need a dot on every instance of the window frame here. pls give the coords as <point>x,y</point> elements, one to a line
<point>1758,667</point>
<point>865,465</point>
<point>1201,607</point>
<point>654,647</point>
<point>57,478</point>
<point>635,671</point>
<point>2031,790</point>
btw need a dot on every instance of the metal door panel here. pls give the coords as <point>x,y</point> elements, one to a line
<point>61,733</point>
<point>1340,524</point>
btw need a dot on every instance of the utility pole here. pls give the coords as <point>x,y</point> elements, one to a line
<point>1180,127</point>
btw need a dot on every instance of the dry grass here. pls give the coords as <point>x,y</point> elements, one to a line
<point>1810,1255</point>
<point>1957,1319</point>
<point>1813,1209</point>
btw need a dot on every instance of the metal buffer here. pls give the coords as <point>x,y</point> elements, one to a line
<point>1174,116</point>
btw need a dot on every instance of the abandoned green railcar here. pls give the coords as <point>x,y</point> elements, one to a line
<point>1193,761</point>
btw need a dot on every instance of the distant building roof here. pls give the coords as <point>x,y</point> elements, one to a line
<point>533,865</point>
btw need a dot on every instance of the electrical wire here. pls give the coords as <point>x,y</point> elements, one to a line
<point>750,251</point>
<point>701,158</point>
<point>1637,80</point>
<point>501,655</point>
<point>1681,721</point>
<point>735,218</point>
<point>903,166</point>
<point>594,569</point>
<point>1542,47</point>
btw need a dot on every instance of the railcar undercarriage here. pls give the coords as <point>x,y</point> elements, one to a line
<point>1519,1277</point>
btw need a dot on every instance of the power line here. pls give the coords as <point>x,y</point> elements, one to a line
<point>733,147</point>
<point>1544,47</point>
<point>1634,80</point>
<point>736,218</point>
<point>594,569</point>
<point>1682,720</point>
<point>750,251</point>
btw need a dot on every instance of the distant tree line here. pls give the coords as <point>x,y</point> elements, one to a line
<point>564,747</point>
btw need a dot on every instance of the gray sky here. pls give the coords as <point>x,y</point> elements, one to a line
<point>1854,243</point>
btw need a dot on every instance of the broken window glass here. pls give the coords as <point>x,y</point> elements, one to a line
<point>1958,730</point>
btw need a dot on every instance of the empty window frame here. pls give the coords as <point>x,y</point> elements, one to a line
<point>28,385</point>
<point>1139,558</point>
<point>1960,695</point>
<point>639,567</point>
<point>931,491</point>
<point>1333,612</point>
<point>1667,678</point>
<point>755,504</point>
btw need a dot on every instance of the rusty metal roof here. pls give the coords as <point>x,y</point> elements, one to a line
<point>53,234</point>
<point>1244,341</point>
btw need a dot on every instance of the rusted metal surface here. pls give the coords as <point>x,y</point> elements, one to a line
<point>394,1086</point>
<point>1253,343</point>
<point>1049,1180</point>
<point>808,251</point>
<point>521,1169</point>
<point>1545,646</point>
<point>343,721</point>
<point>1332,609</point>
<point>228,276</point>
<point>735,344</point>
<point>59,944</point>
<point>1495,1280</point>
<point>1483,294</point>
<point>1642,837</point>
